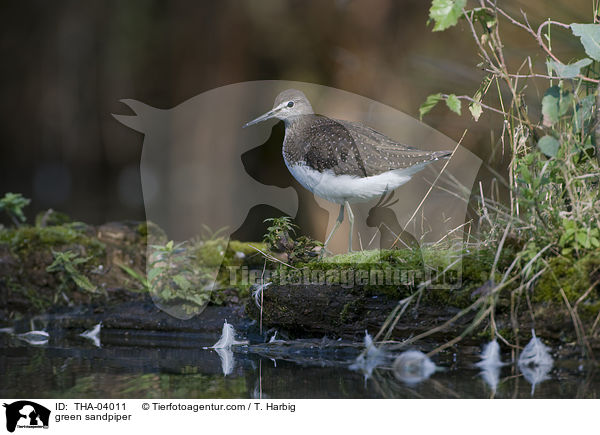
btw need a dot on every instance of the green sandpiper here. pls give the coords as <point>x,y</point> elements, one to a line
<point>342,161</point>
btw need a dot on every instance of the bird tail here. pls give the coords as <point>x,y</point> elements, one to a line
<point>441,154</point>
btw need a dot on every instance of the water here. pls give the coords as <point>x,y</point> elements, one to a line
<point>134,364</point>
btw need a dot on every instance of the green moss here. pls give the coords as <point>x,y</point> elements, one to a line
<point>218,252</point>
<point>150,231</point>
<point>32,249</point>
<point>142,229</point>
<point>398,273</point>
<point>210,253</point>
<point>39,301</point>
<point>574,276</point>
<point>25,240</point>
<point>51,218</point>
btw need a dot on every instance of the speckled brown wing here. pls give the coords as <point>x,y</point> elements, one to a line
<point>349,148</point>
<point>323,144</point>
<point>380,154</point>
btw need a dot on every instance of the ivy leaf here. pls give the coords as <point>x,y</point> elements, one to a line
<point>555,104</point>
<point>445,13</point>
<point>549,146</point>
<point>429,104</point>
<point>453,103</point>
<point>589,34</point>
<point>569,71</point>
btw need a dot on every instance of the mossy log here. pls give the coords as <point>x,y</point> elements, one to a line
<point>332,310</point>
<point>27,287</point>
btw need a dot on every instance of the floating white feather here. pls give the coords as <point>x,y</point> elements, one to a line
<point>535,353</point>
<point>490,356</point>
<point>369,360</point>
<point>227,338</point>
<point>412,367</point>
<point>535,362</point>
<point>490,364</point>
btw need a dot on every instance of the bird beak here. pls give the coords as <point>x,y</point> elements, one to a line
<point>264,117</point>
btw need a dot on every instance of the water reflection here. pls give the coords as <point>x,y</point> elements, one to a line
<point>490,365</point>
<point>227,359</point>
<point>535,362</point>
<point>413,367</point>
<point>34,338</point>
<point>130,366</point>
<point>93,335</point>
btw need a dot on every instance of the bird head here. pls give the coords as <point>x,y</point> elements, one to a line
<point>288,104</point>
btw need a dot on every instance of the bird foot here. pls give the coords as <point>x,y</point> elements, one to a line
<point>324,251</point>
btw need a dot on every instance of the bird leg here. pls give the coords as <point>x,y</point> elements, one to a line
<point>351,219</point>
<point>335,227</point>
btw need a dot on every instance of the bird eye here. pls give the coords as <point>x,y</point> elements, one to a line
<point>290,104</point>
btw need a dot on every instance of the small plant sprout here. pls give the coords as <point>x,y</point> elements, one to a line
<point>279,236</point>
<point>12,204</point>
<point>172,275</point>
<point>66,265</point>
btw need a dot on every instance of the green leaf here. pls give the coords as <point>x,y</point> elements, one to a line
<point>445,13</point>
<point>583,113</point>
<point>429,104</point>
<point>475,107</point>
<point>453,103</point>
<point>484,16</point>
<point>476,110</point>
<point>134,274</point>
<point>83,282</point>
<point>154,272</point>
<point>566,251</point>
<point>582,240</point>
<point>13,204</point>
<point>182,282</point>
<point>525,174</point>
<point>549,146</point>
<point>589,34</point>
<point>569,71</point>
<point>555,104</point>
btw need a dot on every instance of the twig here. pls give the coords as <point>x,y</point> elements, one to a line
<point>270,257</point>
<point>538,35</point>
<point>262,292</point>
<point>581,337</point>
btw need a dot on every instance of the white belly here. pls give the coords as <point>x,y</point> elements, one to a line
<point>340,188</point>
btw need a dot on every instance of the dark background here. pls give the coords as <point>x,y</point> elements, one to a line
<point>66,64</point>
